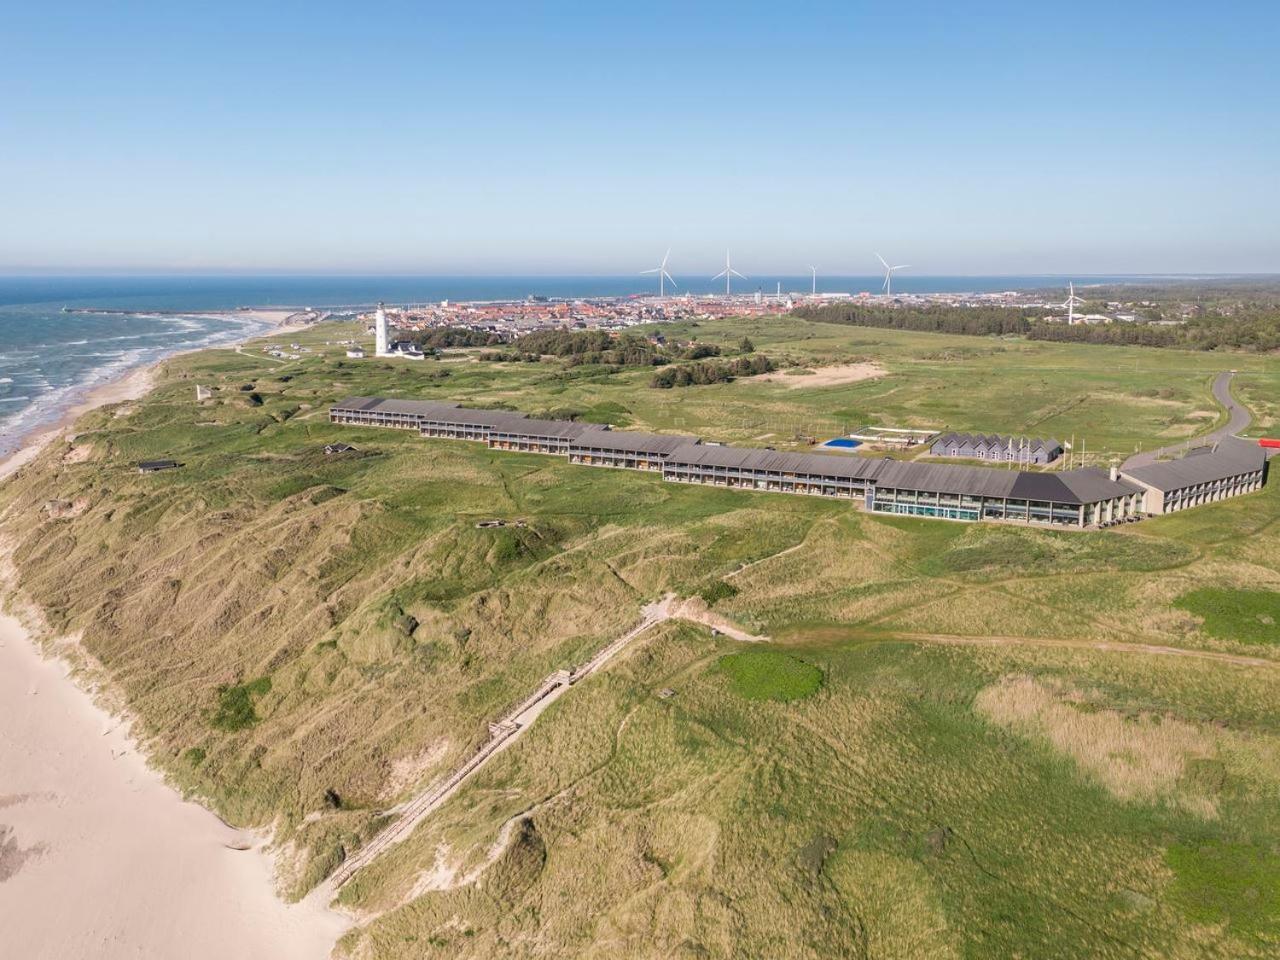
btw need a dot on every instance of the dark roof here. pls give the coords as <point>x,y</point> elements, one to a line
<point>940,478</point>
<point>1032,444</point>
<point>419,408</point>
<point>1088,485</point>
<point>816,464</point>
<point>1067,486</point>
<point>476,418</point>
<point>1231,458</point>
<point>1070,486</point>
<point>632,441</point>
<point>545,428</point>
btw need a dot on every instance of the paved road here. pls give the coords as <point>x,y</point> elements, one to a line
<point>1238,418</point>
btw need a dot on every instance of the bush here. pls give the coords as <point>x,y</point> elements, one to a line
<point>720,590</point>
<point>710,371</point>
<point>235,705</point>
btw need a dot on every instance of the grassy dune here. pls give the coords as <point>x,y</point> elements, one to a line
<point>307,639</point>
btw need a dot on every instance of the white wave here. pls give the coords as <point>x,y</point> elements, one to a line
<point>6,379</point>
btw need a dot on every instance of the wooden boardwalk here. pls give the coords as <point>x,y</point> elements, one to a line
<point>501,733</point>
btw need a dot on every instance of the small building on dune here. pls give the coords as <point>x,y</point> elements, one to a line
<point>155,466</point>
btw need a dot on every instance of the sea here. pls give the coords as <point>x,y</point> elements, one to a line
<point>50,358</point>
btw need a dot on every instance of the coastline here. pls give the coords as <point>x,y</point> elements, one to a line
<point>131,384</point>
<point>99,855</point>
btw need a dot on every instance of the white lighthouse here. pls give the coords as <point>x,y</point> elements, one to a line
<point>381,345</point>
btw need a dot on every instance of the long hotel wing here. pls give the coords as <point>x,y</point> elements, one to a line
<point>1073,498</point>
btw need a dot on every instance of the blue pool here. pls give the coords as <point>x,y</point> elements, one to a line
<point>843,442</point>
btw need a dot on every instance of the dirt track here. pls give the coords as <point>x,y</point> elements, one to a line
<point>1105,645</point>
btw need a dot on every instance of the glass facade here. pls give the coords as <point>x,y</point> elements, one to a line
<point>924,510</point>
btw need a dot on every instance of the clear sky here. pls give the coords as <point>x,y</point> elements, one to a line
<point>430,137</point>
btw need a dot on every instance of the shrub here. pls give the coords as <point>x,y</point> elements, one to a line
<point>720,590</point>
<point>235,705</point>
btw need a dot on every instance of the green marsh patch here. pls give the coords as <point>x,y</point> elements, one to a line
<point>235,705</point>
<point>770,675</point>
<point>1233,883</point>
<point>1249,616</point>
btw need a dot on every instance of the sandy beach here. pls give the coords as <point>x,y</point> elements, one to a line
<point>99,857</point>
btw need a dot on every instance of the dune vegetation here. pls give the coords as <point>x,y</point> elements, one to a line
<point>960,740</point>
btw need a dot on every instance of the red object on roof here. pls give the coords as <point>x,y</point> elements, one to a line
<point>1271,442</point>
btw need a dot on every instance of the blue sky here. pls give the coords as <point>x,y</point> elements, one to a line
<point>588,138</point>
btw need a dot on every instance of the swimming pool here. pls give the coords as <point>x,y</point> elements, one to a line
<point>843,442</point>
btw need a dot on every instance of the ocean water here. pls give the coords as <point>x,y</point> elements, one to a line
<point>49,359</point>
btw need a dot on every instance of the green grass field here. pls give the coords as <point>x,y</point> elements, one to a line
<point>931,758</point>
<point>770,675</point>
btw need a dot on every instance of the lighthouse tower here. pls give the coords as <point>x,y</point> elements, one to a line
<point>380,332</point>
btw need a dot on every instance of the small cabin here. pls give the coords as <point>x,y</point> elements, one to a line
<point>155,466</point>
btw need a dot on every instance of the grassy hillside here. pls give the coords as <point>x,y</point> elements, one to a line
<point>933,757</point>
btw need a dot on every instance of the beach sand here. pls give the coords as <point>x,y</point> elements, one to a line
<point>100,858</point>
<point>132,385</point>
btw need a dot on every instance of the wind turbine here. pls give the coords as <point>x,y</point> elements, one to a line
<point>814,271</point>
<point>888,274</point>
<point>728,273</point>
<point>1071,303</point>
<point>663,276</point>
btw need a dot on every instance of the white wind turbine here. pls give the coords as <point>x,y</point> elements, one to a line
<point>1071,303</point>
<point>728,273</point>
<point>888,274</point>
<point>663,276</point>
<point>814,291</point>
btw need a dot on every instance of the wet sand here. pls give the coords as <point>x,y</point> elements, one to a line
<point>100,858</point>
<point>130,386</point>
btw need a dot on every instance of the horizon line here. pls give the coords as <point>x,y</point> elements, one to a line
<point>211,272</point>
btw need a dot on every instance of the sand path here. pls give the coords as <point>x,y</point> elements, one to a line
<point>835,375</point>
<point>504,732</point>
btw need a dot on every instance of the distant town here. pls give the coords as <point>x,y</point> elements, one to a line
<point>511,318</point>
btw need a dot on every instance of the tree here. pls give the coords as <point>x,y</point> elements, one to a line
<point>746,346</point>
